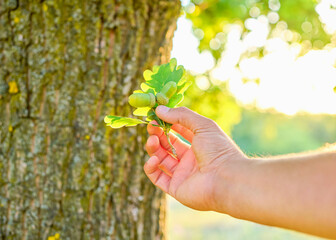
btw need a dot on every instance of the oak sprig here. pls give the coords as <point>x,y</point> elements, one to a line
<point>164,85</point>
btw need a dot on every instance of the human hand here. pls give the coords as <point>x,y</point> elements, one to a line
<point>196,177</point>
<point>213,174</point>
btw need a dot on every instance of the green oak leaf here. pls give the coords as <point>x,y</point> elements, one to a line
<point>156,79</point>
<point>143,112</point>
<point>118,122</point>
<point>163,74</point>
<point>183,87</point>
<point>174,100</point>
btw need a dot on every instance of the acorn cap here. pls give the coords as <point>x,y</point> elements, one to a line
<point>152,100</point>
<point>162,99</point>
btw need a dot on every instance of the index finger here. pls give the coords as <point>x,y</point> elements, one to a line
<point>184,132</point>
<point>185,117</point>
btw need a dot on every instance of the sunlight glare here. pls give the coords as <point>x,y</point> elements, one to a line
<point>286,82</point>
<point>327,11</point>
<point>185,49</point>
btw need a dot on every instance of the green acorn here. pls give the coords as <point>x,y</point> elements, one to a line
<point>142,100</point>
<point>166,93</point>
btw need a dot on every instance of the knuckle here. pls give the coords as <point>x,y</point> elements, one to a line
<point>182,114</point>
<point>209,123</point>
<point>147,147</point>
<point>183,110</point>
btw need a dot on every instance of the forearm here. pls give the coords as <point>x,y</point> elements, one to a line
<point>295,192</point>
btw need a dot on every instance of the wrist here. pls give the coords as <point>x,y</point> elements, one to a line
<point>229,177</point>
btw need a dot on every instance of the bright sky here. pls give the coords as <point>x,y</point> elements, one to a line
<point>287,83</point>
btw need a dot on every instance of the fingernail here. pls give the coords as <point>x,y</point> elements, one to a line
<point>162,109</point>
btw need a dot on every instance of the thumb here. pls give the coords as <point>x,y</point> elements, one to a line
<point>185,117</point>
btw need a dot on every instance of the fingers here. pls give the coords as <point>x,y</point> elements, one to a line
<point>153,147</point>
<point>168,166</point>
<point>157,177</point>
<point>185,117</point>
<point>180,146</point>
<point>167,163</point>
<point>184,132</point>
<point>185,169</point>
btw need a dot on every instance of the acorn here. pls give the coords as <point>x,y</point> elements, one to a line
<point>142,100</point>
<point>166,93</point>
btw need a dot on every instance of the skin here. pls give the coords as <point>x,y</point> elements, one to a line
<point>297,191</point>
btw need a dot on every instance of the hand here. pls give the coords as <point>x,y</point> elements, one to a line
<point>294,192</point>
<point>193,178</point>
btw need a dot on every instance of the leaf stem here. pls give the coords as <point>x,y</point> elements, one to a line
<point>166,131</point>
<point>166,128</point>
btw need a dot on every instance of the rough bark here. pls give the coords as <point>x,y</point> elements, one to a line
<point>64,65</point>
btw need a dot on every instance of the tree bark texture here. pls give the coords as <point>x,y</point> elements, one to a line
<point>64,65</point>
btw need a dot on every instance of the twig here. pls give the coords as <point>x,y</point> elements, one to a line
<point>166,131</point>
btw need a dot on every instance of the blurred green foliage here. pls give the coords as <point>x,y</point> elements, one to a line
<point>260,132</point>
<point>210,18</point>
<point>271,133</point>
<point>215,102</point>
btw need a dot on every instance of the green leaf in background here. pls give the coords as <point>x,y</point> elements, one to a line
<point>118,122</point>
<point>211,17</point>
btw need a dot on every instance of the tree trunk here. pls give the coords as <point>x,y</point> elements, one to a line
<point>64,66</point>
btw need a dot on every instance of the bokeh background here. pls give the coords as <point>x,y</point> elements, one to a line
<point>265,71</point>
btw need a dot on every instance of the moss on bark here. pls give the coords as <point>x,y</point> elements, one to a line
<point>61,170</point>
